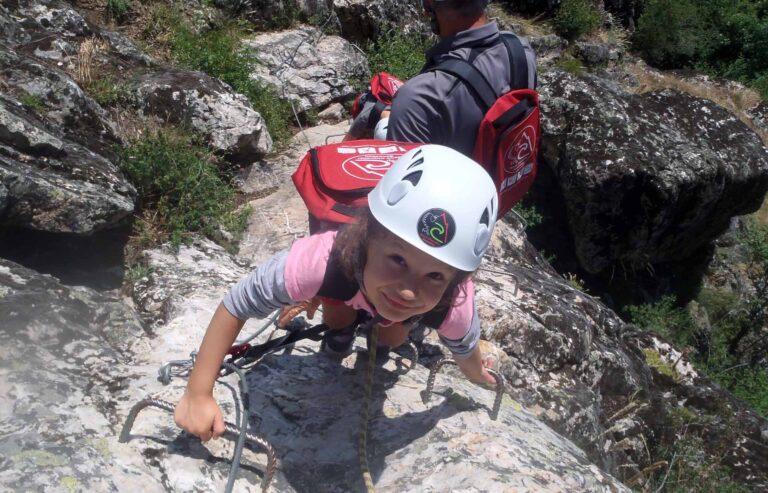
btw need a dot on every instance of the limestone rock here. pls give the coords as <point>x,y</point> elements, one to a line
<point>364,20</point>
<point>306,67</point>
<point>226,119</point>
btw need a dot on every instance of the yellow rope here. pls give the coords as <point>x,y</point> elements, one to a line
<point>363,446</point>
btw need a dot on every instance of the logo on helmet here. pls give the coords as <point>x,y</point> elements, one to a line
<point>436,227</point>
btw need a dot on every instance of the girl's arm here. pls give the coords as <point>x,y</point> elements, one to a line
<point>472,368</point>
<point>197,411</point>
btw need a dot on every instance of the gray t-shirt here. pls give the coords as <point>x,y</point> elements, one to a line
<point>436,108</point>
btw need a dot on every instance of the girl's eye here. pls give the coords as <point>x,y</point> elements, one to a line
<point>436,276</point>
<point>397,259</point>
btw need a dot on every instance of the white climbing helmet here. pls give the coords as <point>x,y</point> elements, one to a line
<point>380,131</point>
<point>439,201</point>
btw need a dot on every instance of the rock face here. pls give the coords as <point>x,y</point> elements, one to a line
<point>226,119</point>
<point>52,184</point>
<point>307,67</point>
<point>647,178</point>
<point>308,407</point>
<point>363,20</point>
<point>61,100</point>
<point>63,356</point>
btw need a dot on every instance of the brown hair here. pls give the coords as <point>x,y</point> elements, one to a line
<point>352,247</point>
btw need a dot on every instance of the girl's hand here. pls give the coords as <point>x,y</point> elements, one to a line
<point>199,415</point>
<point>290,312</point>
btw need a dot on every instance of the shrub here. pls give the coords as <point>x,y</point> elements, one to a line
<point>663,317</point>
<point>117,9</point>
<point>32,102</point>
<point>399,54</point>
<point>218,53</point>
<point>106,91</point>
<point>575,18</point>
<point>571,65</point>
<point>529,215</point>
<point>178,180</point>
<point>669,32</point>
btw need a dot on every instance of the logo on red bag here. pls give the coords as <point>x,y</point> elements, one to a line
<point>520,152</point>
<point>436,227</point>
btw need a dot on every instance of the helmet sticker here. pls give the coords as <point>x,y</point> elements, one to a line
<point>436,227</point>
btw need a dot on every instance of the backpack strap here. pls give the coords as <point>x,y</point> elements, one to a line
<point>470,75</point>
<point>518,62</point>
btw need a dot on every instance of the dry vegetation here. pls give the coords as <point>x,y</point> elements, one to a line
<point>733,97</point>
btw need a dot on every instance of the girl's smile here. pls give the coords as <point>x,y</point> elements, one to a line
<point>402,281</point>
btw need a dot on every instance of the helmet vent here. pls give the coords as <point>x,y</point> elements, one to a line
<point>413,177</point>
<point>416,162</point>
<point>485,218</point>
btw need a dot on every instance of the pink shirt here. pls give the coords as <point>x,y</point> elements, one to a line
<point>306,265</point>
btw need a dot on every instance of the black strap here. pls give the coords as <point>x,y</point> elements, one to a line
<point>518,62</point>
<point>514,115</point>
<point>315,333</point>
<point>472,76</point>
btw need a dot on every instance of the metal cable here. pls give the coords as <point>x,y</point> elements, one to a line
<point>233,468</point>
<point>228,427</point>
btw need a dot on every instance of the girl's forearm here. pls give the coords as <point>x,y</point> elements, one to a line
<point>219,336</point>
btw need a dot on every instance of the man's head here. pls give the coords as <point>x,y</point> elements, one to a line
<point>447,17</point>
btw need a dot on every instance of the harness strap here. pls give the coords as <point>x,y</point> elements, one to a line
<point>472,76</point>
<point>518,63</point>
<point>315,333</point>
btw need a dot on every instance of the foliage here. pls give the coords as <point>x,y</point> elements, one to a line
<point>399,54</point>
<point>529,215</point>
<point>688,469</point>
<point>179,182</point>
<point>727,38</point>
<point>734,351</point>
<point>117,9</point>
<point>32,101</point>
<point>571,65</point>
<point>663,317</point>
<point>218,53</point>
<point>575,18</point>
<point>106,91</point>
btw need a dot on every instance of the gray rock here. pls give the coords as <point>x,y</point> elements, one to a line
<point>301,396</point>
<point>125,48</point>
<point>598,54</point>
<point>548,48</point>
<point>271,14</point>
<point>63,354</point>
<point>226,119</point>
<point>334,113</point>
<point>646,178</point>
<point>307,67</point>
<point>64,102</point>
<point>54,184</point>
<point>365,20</point>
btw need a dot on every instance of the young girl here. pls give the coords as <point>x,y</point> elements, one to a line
<point>407,260</point>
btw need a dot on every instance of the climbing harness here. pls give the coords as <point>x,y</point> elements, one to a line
<point>243,356</point>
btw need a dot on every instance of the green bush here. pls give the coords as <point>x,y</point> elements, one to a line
<point>663,317</point>
<point>106,91</point>
<point>179,182</point>
<point>575,18</point>
<point>117,9</point>
<point>399,54</point>
<point>726,38</point>
<point>219,54</point>
<point>530,215</point>
<point>669,32</point>
<point>32,102</point>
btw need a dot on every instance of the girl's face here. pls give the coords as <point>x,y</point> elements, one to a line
<point>402,281</point>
